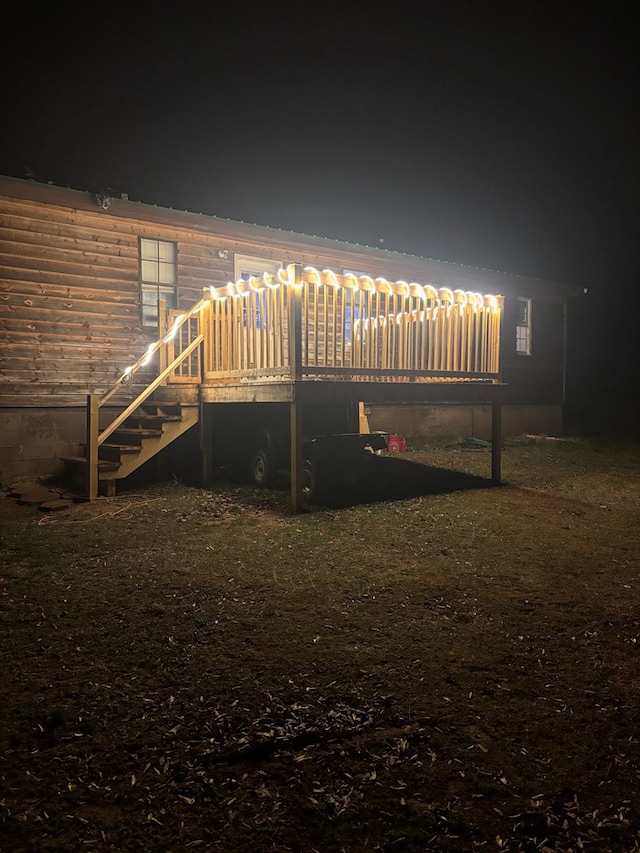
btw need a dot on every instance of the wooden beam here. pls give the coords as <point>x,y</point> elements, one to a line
<point>295,323</point>
<point>206,444</point>
<point>93,410</point>
<point>297,459</point>
<point>496,441</point>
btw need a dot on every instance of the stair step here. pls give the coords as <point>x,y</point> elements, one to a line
<point>127,448</point>
<point>112,447</point>
<point>133,435</point>
<point>145,433</point>
<point>103,464</point>
<point>154,419</point>
<point>159,409</point>
<point>115,452</point>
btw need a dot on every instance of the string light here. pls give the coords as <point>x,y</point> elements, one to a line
<point>150,351</point>
<point>439,298</point>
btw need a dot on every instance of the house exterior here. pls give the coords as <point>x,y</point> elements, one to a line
<point>81,278</point>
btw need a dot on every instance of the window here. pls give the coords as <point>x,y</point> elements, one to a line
<point>158,277</point>
<point>354,303</point>
<point>523,326</point>
<point>246,266</point>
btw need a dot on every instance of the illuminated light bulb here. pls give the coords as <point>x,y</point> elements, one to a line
<point>283,276</point>
<point>127,371</point>
<point>174,329</point>
<point>150,350</point>
<point>267,279</point>
<point>352,276</point>
<point>255,287</point>
<point>368,281</point>
<point>333,278</point>
<point>313,271</point>
<point>383,283</point>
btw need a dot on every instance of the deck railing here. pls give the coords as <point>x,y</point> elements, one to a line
<point>305,323</point>
<point>320,324</point>
<point>178,355</point>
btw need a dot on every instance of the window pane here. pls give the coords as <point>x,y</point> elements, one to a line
<point>149,249</point>
<point>149,306</point>
<point>149,271</point>
<point>150,315</point>
<point>166,273</point>
<point>166,251</point>
<point>169,295</point>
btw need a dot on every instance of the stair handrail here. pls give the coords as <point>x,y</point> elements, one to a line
<point>149,389</point>
<point>94,437</point>
<point>151,350</point>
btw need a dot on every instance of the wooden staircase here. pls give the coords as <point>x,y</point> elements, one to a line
<point>155,425</point>
<point>164,408</point>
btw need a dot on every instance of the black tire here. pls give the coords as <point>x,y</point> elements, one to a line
<point>261,468</point>
<point>309,481</point>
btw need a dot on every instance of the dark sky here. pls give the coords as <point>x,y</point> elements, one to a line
<point>499,134</point>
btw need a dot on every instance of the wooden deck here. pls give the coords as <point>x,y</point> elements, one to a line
<point>308,336</point>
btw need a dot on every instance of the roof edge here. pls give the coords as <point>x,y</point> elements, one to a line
<point>86,199</point>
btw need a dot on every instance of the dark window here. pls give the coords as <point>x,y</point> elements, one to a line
<point>523,326</point>
<point>158,277</point>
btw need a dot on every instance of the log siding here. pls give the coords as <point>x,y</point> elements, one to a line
<point>70,316</point>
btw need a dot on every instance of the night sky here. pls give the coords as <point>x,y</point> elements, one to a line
<point>497,134</point>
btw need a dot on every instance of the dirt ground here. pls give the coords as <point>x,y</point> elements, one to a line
<point>455,669</point>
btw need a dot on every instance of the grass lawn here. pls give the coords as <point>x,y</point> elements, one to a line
<point>456,669</point>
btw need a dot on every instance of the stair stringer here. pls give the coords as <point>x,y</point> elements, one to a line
<point>152,445</point>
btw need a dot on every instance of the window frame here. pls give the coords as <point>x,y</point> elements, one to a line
<point>252,265</point>
<point>163,289</point>
<point>523,325</point>
<point>247,265</point>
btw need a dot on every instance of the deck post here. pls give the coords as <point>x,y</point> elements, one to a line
<point>295,366</point>
<point>295,320</point>
<point>496,440</point>
<point>93,411</point>
<point>206,328</point>
<point>297,457</point>
<point>162,330</point>
<point>206,444</point>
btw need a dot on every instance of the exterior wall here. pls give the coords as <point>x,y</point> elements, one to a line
<point>70,312</point>
<point>32,440</point>
<point>537,378</point>
<point>425,424</point>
